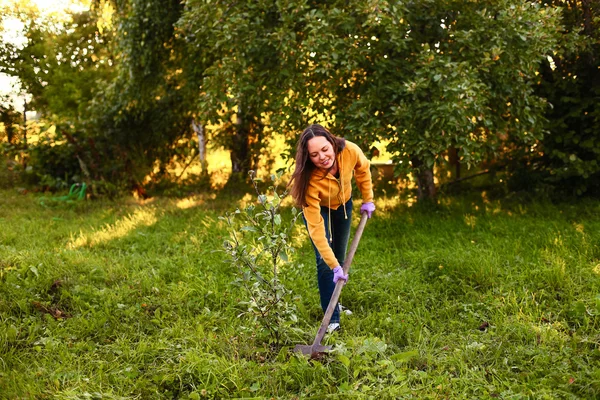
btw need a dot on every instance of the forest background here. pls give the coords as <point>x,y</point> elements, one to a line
<point>135,95</point>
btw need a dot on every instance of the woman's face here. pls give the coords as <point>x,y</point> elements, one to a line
<point>320,152</point>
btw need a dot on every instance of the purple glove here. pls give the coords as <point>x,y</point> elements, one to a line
<point>338,273</point>
<point>368,208</point>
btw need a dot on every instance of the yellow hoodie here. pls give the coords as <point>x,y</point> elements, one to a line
<point>333,193</point>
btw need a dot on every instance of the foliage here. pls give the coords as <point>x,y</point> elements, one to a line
<point>10,118</point>
<point>570,80</point>
<point>141,114</point>
<point>53,167</point>
<point>429,76</point>
<point>244,50</point>
<point>259,245</point>
<point>111,90</point>
<point>425,76</point>
<point>8,175</point>
<point>130,300</point>
<point>10,145</point>
<point>61,65</point>
<point>126,79</point>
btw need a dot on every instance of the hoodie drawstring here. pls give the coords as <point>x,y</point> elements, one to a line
<point>343,191</point>
<point>329,210</point>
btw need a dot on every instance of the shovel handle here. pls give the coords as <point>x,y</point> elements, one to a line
<point>354,245</point>
<point>340,283</point>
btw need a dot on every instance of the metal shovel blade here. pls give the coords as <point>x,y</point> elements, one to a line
<point>313,351</point>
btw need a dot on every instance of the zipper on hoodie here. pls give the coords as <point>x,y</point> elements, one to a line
<point>340,195</point>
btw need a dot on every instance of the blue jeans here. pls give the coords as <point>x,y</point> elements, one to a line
<point>340,230</point>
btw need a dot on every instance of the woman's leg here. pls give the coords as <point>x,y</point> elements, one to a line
<point>340,227</point>
<point>326,287</point>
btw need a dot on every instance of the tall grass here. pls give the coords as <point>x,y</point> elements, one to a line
<point>472,298</point>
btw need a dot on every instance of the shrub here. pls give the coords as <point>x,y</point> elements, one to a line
<point>259,246</point>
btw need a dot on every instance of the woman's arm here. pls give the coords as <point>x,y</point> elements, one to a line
<point>362,174</point>
<point>316,230</point>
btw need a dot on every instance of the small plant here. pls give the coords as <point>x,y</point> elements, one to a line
<point>259,246</point>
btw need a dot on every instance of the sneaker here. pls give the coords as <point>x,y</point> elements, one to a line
<point>333,327</point>
<point>345,310</point>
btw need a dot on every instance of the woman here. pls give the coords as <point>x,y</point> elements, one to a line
<point>321,185</point>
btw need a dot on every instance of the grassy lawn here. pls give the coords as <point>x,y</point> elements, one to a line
<point>473,298</point>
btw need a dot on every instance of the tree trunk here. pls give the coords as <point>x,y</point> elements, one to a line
<point>588,28</point>
<point>24,160</point>
<point>10,131</point>
<point>454,161</point>
<point>239,152</point>
<point>25,123</point>
<point>8,117</point>
<point>199,129</point>
<point>424,175</point>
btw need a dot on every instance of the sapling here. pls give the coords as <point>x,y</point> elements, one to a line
<point>259,245</point>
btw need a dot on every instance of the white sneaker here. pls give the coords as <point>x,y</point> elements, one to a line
<point>344,310</point>
<point>333,327</point>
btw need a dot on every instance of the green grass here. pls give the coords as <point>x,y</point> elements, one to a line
<point>467,299</point>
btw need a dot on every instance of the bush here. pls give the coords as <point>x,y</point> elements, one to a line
<point>9,168</point>
<point>53,166</point>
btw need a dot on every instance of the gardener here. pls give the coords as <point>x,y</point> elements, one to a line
<point>321,185</point>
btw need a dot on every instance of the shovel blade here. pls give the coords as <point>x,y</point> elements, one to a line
<point>313,351</point>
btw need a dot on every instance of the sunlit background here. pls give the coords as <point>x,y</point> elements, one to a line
<point>12,32</point>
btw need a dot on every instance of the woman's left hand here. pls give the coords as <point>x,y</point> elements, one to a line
<point>368,208</point>
<point>338,273</point>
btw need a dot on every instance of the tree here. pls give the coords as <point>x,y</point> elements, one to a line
<point>569,154</point>
<point>142,113</point>
<point>245,48</point>
<point>426,76</point>
<point>430,75</point>
<point>60,65</point>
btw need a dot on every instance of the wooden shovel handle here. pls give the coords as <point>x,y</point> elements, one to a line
<point>340,283</point>
<point>354,245</point>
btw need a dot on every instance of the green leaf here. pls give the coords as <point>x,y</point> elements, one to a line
<point>405,356</point>
<point>283,256</point>
<point>255,387</point>
<point>344,360</point>
<point>34,270</point>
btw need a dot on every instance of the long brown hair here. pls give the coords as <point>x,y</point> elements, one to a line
<point>304,166</point>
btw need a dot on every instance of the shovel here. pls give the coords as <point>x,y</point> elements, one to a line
<point>316,349</point>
